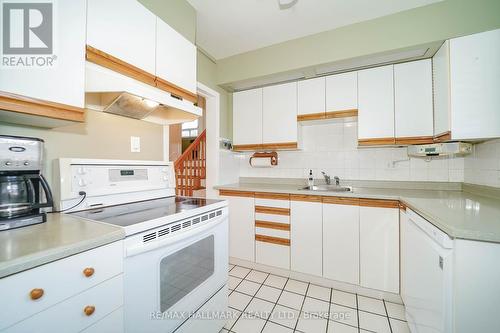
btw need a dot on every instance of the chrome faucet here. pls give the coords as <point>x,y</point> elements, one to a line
<point>337,180</point>
<point>328,181</point>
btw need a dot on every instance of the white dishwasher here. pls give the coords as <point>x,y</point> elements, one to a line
<point>427,259</point>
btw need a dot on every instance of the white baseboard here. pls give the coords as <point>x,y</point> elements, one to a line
<point>321,281</point>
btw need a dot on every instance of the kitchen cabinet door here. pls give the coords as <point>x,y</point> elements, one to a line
<point>311,97</point>
<point>341,242</point>
<point>247,117</point>
<point>124,29</point>
<point>379,248</point>
<point>241,227</point>
<point>64,82</point>
<point>175,57</point>
<point>376,106</point>
<point>475,85</point>
<point>413,101</point>
<point>306,219</point>
<point>279,116</point>
<point>441,90</point>
<point>342,92</point>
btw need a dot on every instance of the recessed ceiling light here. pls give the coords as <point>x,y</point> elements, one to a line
<point>285,4</point>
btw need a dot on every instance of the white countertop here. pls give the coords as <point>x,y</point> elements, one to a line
<point>459,214</point>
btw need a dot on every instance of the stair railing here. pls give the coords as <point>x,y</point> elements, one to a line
<point>190,167</point>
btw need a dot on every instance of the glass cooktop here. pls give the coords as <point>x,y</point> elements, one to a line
<point>136,212</point>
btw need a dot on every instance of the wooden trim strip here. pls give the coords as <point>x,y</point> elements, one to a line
<point>341,113</point>
<point>402,206</point>
<point>414,140</point>
<point>273,240</point>
<point>236,193</point>
<point>272,225</point>
<point>311,116</point>
<point>107,60</point>
<point>274,196</point>
<point>272,210</point>
<point>341,201</point>
<point>376,142</point>
<point>175,90</point>
<point>443,137</point>
<point>379,203</point>
<point>305,197</point>
<point>104,59</point>
<point>38,107</point>
<point>268,146</point>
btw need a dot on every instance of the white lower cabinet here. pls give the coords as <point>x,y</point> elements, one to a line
<point>241,226</point>
<point>379,248</point>
<point>341,241</point>
<point>306,219</point>
<point>272,254</point>
<point>112,323</point>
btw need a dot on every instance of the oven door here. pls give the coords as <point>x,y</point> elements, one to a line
<point>170,281</point>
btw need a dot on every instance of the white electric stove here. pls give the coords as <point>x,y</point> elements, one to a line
<point>176,248</point>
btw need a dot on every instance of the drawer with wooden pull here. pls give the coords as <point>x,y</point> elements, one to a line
<point>34,290</point>
<point>77,312</point>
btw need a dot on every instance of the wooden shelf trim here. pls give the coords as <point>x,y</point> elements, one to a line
<point>311,116</point>
<point>305,197</point>
<point>266,146</point>
<point>341,113</point>
<point>382,203</point>
<point>272,225</point>
<point>273,240</point>
<point>235,193</point>
<point>443,137</point>
<point>402,206</point>
<point>274,196</point>
<point>341,201</point>
<point>414,140</point>
<point>272,210</point>
<point>376,142</point>
<point>38,107</point>
<point>104,59</point>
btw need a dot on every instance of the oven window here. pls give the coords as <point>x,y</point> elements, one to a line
<point>184,270</point>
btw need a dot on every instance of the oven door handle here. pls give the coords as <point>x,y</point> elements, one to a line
<point>137,249</point>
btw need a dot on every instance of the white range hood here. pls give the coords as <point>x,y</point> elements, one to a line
<point>109,91</point>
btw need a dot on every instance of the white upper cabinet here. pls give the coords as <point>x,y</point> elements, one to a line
<point>247,117</point>
<point>475,86</point>
<point>466,73</point>
<point>376,103</point>
<point>441,86</point>
<point>64,82</point>
<point>124,29</point>
<point>175,57</point>
<point>311,96</point>
<point>413,99</point>
<point>306,220</point>
<point>279,120</point>
<point>342,92</point>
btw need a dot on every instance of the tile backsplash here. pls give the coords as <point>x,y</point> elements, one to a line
<point>332,147</point>
<point>482,167</point>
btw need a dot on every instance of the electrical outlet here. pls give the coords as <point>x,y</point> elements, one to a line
<point>135,144</point>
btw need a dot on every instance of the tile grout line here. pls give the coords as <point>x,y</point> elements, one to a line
<point>387,313</point>
<point>302,306</point>
<point>330,299</point>
<point>241,293</point>
<point>357,313</point>
<point>275,303</point>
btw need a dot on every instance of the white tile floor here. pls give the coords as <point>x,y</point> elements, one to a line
<point>262,302</point>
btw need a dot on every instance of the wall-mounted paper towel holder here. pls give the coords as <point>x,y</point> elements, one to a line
<point>264,159</point>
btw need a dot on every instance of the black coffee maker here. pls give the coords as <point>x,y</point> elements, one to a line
<point>24,192</point>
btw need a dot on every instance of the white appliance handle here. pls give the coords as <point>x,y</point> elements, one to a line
<point>137,249</point>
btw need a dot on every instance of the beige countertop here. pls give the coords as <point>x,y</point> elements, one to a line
<point>459,214</point>
<point>61,236</point>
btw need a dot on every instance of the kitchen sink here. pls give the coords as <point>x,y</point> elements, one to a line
<point>327,188</point>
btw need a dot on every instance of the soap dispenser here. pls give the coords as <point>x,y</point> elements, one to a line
<point>310,180</point>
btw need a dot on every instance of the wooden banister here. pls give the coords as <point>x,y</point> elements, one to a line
<point>190,167</point>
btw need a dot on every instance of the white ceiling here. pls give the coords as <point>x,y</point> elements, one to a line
<point>229,27</point>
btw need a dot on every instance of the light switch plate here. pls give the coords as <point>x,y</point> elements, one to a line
<point>135,144</point>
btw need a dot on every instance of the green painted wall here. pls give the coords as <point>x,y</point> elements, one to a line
<point>440,21</point>
<point>179,14</point>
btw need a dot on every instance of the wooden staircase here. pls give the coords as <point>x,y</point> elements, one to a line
<point>190,167</point>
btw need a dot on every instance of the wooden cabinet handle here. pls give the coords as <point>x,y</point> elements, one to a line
<point>89,310</point>
<point>36,293</point>
<point>88,272</point>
